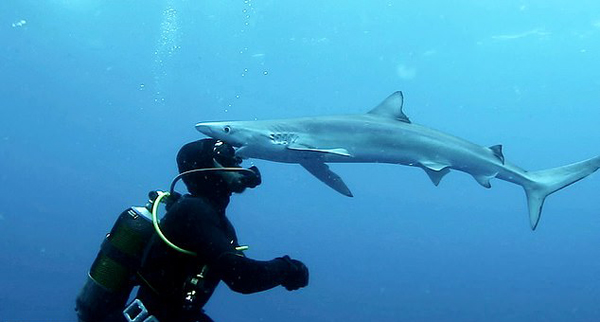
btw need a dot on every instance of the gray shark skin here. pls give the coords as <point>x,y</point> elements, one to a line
<point>386,135</point>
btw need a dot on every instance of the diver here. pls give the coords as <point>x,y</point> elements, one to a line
<point>177,274</point>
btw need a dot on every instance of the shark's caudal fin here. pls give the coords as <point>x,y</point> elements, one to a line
<point>545,182</point>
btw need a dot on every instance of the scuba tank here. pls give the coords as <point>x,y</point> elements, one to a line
<point>112,275</point>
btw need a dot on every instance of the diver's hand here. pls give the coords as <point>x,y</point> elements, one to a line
<point>296,276</point>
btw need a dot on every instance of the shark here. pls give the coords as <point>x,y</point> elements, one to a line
<point>386,135</point>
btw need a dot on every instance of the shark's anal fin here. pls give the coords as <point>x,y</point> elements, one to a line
<point>497,150</point>
<point>435,171</point>
<point>484,180</point>
<point>328,177</point>
<point>391,107</point>
<point>336,151</point>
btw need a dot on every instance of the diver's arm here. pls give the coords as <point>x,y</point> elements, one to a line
<point>245,275</point>
<point>215,245</point>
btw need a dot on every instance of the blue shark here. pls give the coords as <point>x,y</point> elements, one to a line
<point>386,135</point>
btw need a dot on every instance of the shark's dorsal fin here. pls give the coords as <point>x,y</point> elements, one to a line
<point>391,107</point>
<point>497,150</point>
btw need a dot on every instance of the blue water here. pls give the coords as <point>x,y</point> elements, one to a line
<point>98,96</point>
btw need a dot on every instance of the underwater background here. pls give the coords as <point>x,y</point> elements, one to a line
<point>96,98</point>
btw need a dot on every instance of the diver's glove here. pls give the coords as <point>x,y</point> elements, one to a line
<point>251,179</point>
<point>296,276</point>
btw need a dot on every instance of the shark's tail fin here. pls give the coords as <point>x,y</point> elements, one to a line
<point>545,182</point>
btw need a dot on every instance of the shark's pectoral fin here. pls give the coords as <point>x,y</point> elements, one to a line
<point>435,171</point>
<point>303,148</point>
<point>497,150</point>
<point>484,179</point>
<point>328,177</point>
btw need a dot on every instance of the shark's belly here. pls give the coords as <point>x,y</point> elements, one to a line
<point>423,151</point>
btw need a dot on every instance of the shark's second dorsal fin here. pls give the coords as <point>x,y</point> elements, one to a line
<point>497,150</point>
<point>391,107</point>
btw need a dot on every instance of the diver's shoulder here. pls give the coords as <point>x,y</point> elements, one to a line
<point>191,202</point>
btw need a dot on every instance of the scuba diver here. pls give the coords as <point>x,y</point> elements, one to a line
<point>179,261</point>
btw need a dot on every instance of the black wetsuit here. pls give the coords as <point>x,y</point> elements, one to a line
<point>199,224</point>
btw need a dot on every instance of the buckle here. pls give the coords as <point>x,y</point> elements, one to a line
<point>137,312</point>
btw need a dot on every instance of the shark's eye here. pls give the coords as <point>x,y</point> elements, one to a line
<point>227,129</point>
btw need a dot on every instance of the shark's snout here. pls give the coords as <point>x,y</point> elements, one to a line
<point>221,131</point>
<point>206,129</point>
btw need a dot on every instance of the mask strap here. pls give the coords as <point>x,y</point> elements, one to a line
<point>183,174</point>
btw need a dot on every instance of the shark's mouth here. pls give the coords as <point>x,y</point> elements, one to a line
<point>239,151</point>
